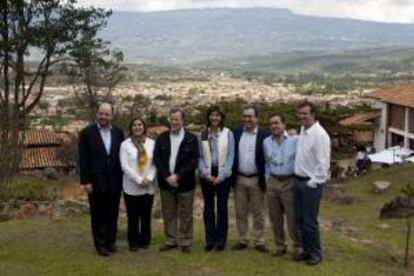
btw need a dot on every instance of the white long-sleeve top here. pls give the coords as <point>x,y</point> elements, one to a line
<point>132,178</point>
<point>313,154</point>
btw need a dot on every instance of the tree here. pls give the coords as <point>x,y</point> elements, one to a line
<point>93,69</point>
<point>45,30</point>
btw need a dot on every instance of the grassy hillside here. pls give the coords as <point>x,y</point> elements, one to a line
<point>355,242</point>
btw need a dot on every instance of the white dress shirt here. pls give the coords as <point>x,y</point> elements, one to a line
<point>313,154</point>
<point>175,139</point>
<point>106,137</point>
<point>129,162</point>
<point>247,152</point>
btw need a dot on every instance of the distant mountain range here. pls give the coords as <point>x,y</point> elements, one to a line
<point>186,36</point>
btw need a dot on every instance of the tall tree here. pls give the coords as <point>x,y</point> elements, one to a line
<point>42,30</point>
<point>93,69</point>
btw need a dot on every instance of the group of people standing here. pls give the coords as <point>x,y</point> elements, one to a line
<point>286,171</point>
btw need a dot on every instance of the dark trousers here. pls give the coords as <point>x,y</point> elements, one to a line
<point>215,198</point>
<point>306,215</point>
<point>104,209</point>
<point>139,219</point>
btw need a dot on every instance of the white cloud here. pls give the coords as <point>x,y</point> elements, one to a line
<point>376,10</point>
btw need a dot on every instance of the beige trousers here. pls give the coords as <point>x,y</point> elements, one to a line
<point>249,198</point>
<point>281,203</point>
<point>177,207</point>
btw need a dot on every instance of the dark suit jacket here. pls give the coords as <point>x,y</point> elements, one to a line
<point>262,133</point>
<point>103,171</point>
<point>185,165</point>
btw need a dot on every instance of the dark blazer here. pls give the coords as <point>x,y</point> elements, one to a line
<point>262,133</point>
<point>103,171</point>
<point>185,165</point>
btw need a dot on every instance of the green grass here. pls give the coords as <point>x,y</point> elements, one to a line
<point>64,247</point>
<point>38,247</point>
<point>364,215</point>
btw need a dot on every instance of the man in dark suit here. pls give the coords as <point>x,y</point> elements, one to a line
<point>101,177</point>
<point>249,178</point>
<point>176,156</point>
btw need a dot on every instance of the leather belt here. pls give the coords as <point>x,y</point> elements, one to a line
<point>302,178</point>
<point>282,177</point>
<point>248,175</point>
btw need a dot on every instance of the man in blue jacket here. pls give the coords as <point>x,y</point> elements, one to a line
<point>249,178</point>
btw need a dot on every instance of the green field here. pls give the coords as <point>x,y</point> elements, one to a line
<point>361,245</point>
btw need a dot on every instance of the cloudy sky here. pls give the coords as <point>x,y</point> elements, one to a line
<point>376,10</point>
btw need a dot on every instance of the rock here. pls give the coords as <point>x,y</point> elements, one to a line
<point>384,226</point>
<point>335,193</point>
<point>26,210</point>
<point>5,217</point>
<point>43,210</point>
<point>401,207</point>
<point>381,186</point>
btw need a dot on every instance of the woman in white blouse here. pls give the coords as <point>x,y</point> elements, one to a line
<point>136,156</point>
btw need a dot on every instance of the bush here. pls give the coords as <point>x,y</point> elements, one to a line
<point>29,188</point>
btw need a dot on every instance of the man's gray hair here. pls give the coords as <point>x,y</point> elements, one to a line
<point>177,110</point>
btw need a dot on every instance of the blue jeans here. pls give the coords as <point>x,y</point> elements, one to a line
<point>306,215</point>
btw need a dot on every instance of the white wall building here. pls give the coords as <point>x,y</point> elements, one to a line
<point>395,126</point>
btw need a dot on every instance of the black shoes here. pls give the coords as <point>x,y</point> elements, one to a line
<point>300,256</point>
<point>280,252</point>
<point>167,247</point>
<point>134,248</point>
<point>261,248</point>
<point>208,248</point>
<point>220,248</point>
<point>186,249</point>
<point>112,248</point>
<point>239,246</point>
<point>103,252</point>
<point>314,260</point>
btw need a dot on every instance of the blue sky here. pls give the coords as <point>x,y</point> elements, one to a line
<point>375,10</point>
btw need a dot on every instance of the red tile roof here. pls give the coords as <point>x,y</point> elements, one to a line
<point>400,95</point>
<point>40,137</point>
<point>359,118</point>
<point>40,157</point>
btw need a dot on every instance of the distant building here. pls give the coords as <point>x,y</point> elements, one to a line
<point>395,125</point>
<point>363,123</point>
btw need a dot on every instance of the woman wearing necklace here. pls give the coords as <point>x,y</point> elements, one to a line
<point>136,155</point>
<point>216,144</point>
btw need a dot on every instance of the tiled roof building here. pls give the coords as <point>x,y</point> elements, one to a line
<point>41,150</point>
<point>395,126</point>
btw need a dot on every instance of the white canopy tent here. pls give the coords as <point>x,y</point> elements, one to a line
<point>392,155</point>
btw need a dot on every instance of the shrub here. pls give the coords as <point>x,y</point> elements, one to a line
<point>29,188</point>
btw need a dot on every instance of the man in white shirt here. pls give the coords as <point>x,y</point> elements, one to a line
<point>311,172</point>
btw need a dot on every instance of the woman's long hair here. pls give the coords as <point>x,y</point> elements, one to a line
<point>211,109</point>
